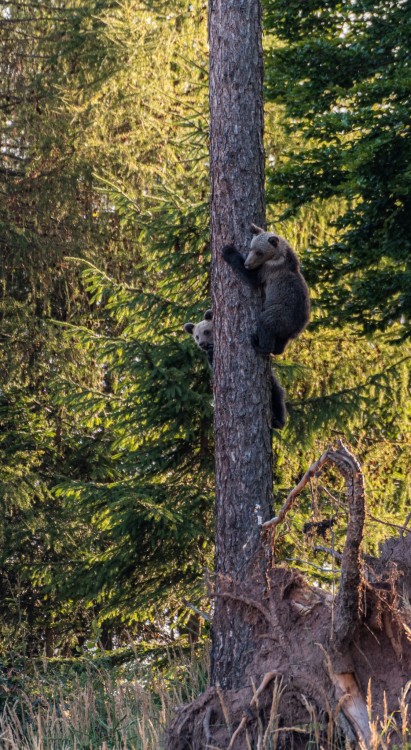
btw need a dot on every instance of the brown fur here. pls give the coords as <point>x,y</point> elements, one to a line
<point>202,334</point>
<point>272,264</point>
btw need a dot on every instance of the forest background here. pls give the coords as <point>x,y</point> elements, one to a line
<point>106,471</point>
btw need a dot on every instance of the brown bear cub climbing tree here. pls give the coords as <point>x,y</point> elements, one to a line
<point>272,264</point>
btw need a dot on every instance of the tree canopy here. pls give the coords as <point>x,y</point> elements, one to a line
<point>341,71</point>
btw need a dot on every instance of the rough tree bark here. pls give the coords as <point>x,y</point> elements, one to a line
<point>243,456</point>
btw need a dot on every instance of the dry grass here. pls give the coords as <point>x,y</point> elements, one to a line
<point>129,709</point>
<point>391,731</point>
<point>99,710</point>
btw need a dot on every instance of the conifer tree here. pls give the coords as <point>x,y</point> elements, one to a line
<point>241,380</point>
<point>55,126</point>
<point>341,71</point>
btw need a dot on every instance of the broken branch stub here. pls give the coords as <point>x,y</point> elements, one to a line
<point>349,595</point>
<point>348,599</point>
<point>348,603</point>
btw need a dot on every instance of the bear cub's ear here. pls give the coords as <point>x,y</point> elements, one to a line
<point>273,241</point>
<point>254,229</point>
<point>208,315</point>
<point>188,327</point>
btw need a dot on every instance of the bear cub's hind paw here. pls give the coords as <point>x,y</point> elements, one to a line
<point>255,343</point>
<point>277,423</point>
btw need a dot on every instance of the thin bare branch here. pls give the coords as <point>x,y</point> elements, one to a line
<point>197,611</point>
<point>329,551</point>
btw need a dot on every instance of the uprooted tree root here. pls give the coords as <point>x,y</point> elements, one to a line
<point>335,669</point>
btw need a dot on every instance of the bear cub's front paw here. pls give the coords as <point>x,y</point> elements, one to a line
<point>228,251</point>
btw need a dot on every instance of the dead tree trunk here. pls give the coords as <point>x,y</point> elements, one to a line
<point>243,456</point>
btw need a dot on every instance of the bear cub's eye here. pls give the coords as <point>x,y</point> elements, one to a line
<point>197,337</point>
<point>206,333</point>
<point>259,253</point>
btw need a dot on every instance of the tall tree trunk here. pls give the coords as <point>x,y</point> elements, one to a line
<point>241,378</point>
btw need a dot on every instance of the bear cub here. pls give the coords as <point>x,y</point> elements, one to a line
<point>202,334</point>
<point>273,265</point>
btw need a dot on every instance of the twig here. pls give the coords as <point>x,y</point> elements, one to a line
<point>301,561</point>
<point>264,682</point>
<point>406,523</point>
<point>329,551</point>
<point>197,611</point>
<point>224,708</point>
<point>335,500</point>
<point>312,471</point>
<point>388,523</point>
<point>206,725</point>
<point>251,603</point>
<point>239,729</point>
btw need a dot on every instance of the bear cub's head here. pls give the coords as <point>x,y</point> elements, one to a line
<point>202,333</point>
<point>266,246</point>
